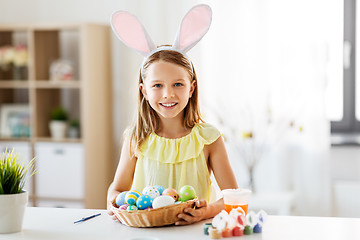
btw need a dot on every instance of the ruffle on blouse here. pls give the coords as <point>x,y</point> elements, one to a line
<point>178,150</point>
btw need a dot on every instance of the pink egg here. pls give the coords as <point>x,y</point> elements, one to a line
<point>172,193</point>
<point>124,207</point>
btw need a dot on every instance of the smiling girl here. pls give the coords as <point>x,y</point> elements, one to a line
<point>169,144</point>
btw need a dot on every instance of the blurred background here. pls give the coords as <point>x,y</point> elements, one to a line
<point>277,77</point>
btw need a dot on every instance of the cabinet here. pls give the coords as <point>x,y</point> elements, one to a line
<point>83,164</point>
<point>64,175</point>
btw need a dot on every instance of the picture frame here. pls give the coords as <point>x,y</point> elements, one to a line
<point>15,120</point>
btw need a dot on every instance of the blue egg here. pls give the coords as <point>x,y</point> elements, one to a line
<point>160,188</point>
<point>120,199</point>
<point>132,196</point>
<point>144,202</point>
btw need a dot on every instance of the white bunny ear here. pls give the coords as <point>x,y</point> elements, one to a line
<point>193,27</point>
<point>130,31</point>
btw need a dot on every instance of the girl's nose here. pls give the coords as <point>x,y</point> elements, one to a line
<point>168,93</point>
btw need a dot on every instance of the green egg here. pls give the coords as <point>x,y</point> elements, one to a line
<point>186,193</point>
<point>132,208</point>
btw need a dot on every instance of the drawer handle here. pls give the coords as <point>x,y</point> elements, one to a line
<point>59,151</point>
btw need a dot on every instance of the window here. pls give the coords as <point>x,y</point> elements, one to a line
<point>344,108</point>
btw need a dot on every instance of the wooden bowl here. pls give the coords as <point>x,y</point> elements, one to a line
<point>151,217</point>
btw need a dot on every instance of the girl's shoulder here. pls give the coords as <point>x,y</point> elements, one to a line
<point>206,130</point>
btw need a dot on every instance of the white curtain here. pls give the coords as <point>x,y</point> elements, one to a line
<point>263,70</point>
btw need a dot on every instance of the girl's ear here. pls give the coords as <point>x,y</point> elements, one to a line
<point>143,90</point>
<point>130,31</point>
<point>193,27</point>
<point>192,88</point>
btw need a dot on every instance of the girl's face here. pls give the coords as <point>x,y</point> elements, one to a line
<point>167,87</point>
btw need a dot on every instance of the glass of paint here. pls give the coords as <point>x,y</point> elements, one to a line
<point>234,198</point>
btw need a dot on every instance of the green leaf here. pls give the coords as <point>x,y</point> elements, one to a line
<point>13,173</point>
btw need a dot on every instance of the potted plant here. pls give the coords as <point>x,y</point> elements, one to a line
<point>13,198</point>
<point>58,124</point>
<point>74,129</point>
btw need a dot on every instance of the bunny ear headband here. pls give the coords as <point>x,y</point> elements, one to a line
<point>193,27</point>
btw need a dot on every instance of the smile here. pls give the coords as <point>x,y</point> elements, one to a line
<point>168,105</point>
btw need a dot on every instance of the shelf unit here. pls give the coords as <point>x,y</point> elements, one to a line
<point>87,98</point>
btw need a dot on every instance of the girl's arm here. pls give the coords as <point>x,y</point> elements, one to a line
<point>124,172</point>
<point>220,165</point>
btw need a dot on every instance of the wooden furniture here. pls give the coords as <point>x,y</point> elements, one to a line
<point>53,223</point>
<point>87,97</point>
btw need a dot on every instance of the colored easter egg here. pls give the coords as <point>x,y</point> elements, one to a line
<point>123,207</point>
<point>151,191</point>
<point>146,189</point>
<point>144,202</point>
<point>163,201</point>
<point>131,208</point>
<point>132,196</point>
<point>186,193</point>
<point>120,199</point>
<point>160,188</point>
<point>172,193</point>
<point>137,191</point>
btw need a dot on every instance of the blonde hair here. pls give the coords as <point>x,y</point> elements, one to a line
<point>147,120</point>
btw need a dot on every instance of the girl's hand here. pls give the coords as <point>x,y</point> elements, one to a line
<point>191,215</point>
<point>110,213</point>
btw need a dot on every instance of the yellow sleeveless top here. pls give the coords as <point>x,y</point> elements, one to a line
<point>173,163</point>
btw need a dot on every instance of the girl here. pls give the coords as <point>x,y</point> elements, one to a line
<point>169,144</point>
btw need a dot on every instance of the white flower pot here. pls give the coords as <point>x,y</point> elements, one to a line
<point>12,209</point>
<point>58,129</point>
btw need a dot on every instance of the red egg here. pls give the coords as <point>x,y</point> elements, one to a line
<point>172,193</point>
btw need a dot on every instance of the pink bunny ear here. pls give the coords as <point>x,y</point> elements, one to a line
<point>130,31</point>
<point>193,27</point>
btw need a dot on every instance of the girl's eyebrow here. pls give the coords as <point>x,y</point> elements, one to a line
<point>155,81</point>
<point>161,81</point>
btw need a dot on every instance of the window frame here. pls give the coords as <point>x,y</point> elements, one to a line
<point>349,124</point>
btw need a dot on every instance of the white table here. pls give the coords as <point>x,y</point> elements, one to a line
<point>53,223</point>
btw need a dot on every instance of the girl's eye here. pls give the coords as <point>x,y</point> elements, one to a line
<point>157,85</point>
<point>178,84</point>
